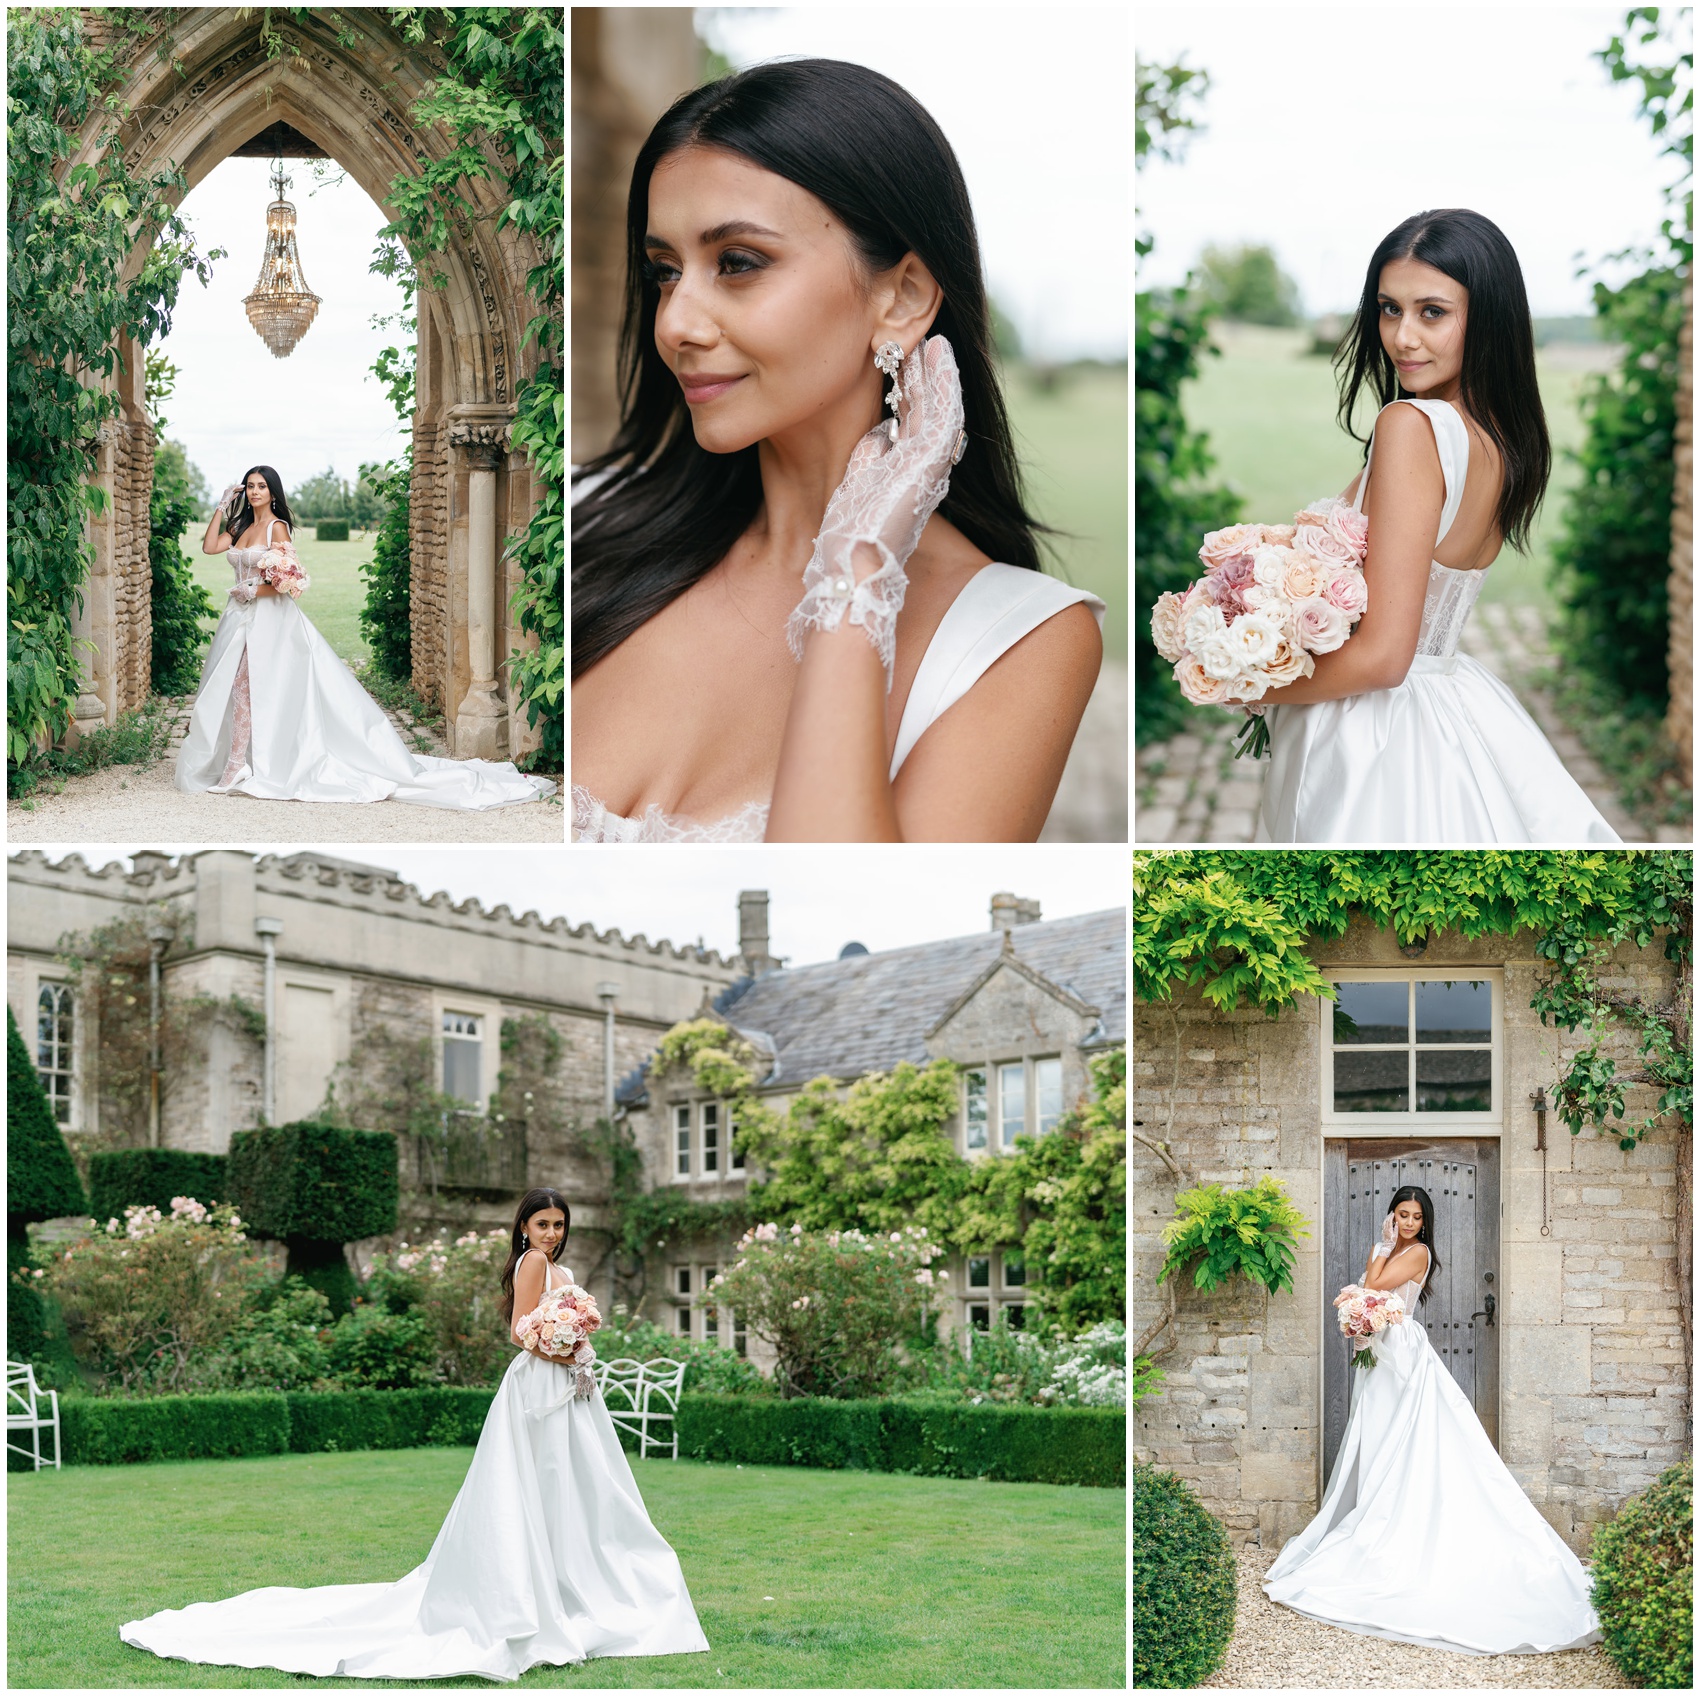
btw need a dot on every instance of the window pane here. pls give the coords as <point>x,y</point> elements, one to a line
<point>462,1069</point>
<point>1457,1011</point>
<point>1014,1272</point>
<point>710,1137</point>
<point>1372,1083</point>
<point>1454,1080</point>
<point>682,1117</point>
<point>1047,1086</point>
<point>1372,1012</point>
<point>974,1108</point>
<point>711,1325</point>
<point>980,1317</point>
<point>737,1157</point>
<point>1015,1315</point>
<point>684,1321</point>
<point>682,1145</point>
<point>979,1271</point>
<point>682,1280</point>
<point>1012,1101</point>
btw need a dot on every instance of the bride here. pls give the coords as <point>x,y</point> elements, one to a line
<point>1423,1535</point>
<point>280,716</point>
<point>547,1556</point>
<point>792,620</point>
<point>1398,738</point>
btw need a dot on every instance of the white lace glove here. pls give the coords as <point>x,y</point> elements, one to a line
<point>230,500</point>
<point>1389,1236</point>
<point>876,515</point>
<point>245,591</point>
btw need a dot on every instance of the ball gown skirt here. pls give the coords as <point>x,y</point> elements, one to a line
<point>546,1557</point>
<point>1423,1535</point>
<point>316,735</point>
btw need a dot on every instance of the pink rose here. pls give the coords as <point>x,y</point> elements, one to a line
<point>1349,592</point>
<point>1235,572</point>
<point>1319,626</point>
<point>1279,535</point>
<point>1351,527</point>
<point>1330,549</point>
<point>1236,539</point>
<point>1198,685</point>
<point>1167,616</point>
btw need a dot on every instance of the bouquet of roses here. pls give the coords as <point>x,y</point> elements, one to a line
<point>1364,1315</point>
<point>280,568</point>
<point>1271,597</point>
<point>560,1326</point>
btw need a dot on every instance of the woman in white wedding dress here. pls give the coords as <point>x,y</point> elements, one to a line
<point>547,1556</point>
<point>1398,739</point>
<point>794,617</point>
<point>280,717</point>
<point>1423,1535</point>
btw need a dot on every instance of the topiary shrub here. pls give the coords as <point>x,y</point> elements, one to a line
<point>152,1177</point>
<point>1644,1584</point>
<point>372,1348</point>
<point>315,1187</point>
<point>331,530</point>
<point>1185,1588</point>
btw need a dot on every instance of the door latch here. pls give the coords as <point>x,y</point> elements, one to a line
<point>1488,1311</point>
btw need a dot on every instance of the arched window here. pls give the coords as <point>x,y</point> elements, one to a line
<point>55,1026</point>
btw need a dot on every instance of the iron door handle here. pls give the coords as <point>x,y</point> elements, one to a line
<point>1488,1311</point>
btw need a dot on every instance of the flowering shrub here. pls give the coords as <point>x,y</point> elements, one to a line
<point>372,1348</point>
<point>1043,1368</point>
<point>709,1368</point>
<point>150,1296</point>
<point>837,1306</point>
<point>454,1288</point>
<point>280,1342</point>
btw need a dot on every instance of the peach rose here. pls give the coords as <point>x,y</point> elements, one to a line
<point>1290,663</point>
<point>1319,626</point>
<point>1279,535</point>
<point>1223,544</point>
<point>1306,576</point>
<point>1198,685</point>
<point>1166,620</point>
<point>1349,592</point>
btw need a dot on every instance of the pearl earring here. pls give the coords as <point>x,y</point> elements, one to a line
<point>889,359</point>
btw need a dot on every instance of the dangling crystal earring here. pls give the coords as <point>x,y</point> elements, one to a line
<point>889,359</point>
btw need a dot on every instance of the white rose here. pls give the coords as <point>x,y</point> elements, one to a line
<point>1203,624</point>
<point>1254,638</point>
<point>1167,619</point>
<point>1269,567</point>
<point>1218,656</point>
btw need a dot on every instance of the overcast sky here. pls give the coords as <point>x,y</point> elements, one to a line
<point>1324,127</point>
<point>235,404</point>
<point>1034,100</point>
<point>821,897</point>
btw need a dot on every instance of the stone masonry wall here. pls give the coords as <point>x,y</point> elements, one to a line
<point>1593,1403</point>
<point>132,569</point>
<point>428,579</point>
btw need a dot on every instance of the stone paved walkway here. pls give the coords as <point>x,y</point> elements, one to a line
<point>1276,1649</point>
<point>1191,788</point>
<point>129,803</point>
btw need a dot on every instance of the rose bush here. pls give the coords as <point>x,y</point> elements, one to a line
<point>454,1288</point>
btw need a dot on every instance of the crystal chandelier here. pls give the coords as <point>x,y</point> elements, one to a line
<point>282,306</point>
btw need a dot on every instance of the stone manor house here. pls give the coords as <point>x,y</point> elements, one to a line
<point>1556,1308</point>
<point>334,965</point>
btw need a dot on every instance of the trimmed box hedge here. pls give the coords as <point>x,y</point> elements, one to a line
<point>943,1439</point>
<point>331,530</point>
<point>1007,1442</point>
<point>314,1183</point>
<point>1185,1589</point>
<point>150,1177</point>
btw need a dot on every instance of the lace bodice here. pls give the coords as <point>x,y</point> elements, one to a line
<point>592,822</point>
<point>245,562</point>
<point>1451,592</point>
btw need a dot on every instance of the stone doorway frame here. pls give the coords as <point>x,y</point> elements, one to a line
<point>215,91</point>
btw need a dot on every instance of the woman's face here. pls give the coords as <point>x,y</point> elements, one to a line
<point>258,491</point>
<point>1422,326</point>
<point>546,1229</point>
<point>766,316</point>
<point>1408,1216</point>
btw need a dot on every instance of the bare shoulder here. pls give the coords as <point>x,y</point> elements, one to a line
<point>1405,434</point>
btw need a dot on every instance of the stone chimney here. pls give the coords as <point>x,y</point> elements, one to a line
<point>752,932</point>
<point>1008,911</point>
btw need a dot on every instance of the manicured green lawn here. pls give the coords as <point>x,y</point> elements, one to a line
<point>1269,411</point>
<point>1072,443</point>
<point>801,1578</point>
<point>334,599</point>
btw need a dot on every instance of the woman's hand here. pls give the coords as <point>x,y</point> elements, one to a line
<point>876,515</point>
<point>1389,1236</point>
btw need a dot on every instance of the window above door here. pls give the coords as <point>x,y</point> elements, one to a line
<point>1413,1047</point>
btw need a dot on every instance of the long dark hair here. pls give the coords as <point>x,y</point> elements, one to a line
<point>1411,1192</point>
<point>280,501</point>
<point>1497,383</point>
<point>532,1202</point>
<point>666,510</point>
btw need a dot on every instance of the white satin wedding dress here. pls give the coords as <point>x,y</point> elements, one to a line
<point>998,606</point>
<point>311,732</point>
<point>1449,756</point>
<point>1423,1535</point>
<point>547,1557</point>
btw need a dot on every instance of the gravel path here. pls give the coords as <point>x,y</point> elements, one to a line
<point>1276,1649</point>
<point>129,803</point>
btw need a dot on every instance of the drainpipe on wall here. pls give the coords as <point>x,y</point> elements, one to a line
<point>607,994</point>
<point>267,930</point>
<point>159,935</point>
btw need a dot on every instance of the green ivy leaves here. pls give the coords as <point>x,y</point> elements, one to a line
<point>1252,1232</point>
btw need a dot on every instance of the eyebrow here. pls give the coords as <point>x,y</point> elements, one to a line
<point>1420,300</point>
<point>720,232</point>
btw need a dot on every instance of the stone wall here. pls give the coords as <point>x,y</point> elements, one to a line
<point>428,527</point>
<point>132,567</point>
<point>1593,1399</point>
<point>1680,718</point>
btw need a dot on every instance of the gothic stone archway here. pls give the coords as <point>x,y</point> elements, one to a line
<point>211,93</point>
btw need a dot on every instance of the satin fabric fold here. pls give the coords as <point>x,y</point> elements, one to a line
<point>317,735</point>
<point>547,1557</point>
<point>1423,1535</point>
<point>1449,756</point>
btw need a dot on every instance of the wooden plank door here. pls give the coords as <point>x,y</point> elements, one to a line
<point>1461,1176</point>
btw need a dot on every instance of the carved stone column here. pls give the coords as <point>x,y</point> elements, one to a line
<point>480,718</point>
<point>92,617</point>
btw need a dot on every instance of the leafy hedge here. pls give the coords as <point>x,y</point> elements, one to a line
<point>318,1183</point>
<point>1185,1590</point>
<point>1038,1445</point>
<point>1008,1443</point>
<point>41,1179</point>
<point>1644,1584</point>
<point>331,530</point>
<point>150,1177</point>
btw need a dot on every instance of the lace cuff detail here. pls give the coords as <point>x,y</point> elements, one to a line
<point>829,593</point>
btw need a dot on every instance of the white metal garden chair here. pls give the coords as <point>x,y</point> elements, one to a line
<point>642,1393</point>
<point>24,1402</point>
